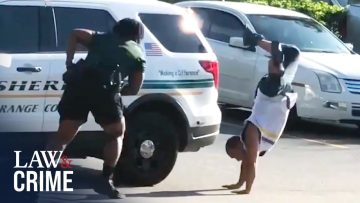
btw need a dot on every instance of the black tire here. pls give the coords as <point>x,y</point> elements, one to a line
<point>135,170</point>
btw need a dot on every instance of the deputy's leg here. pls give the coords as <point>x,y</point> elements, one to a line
<point>66,133</point>
<point>114,140</point>
<point>73,110</point>
<point>108,113</point>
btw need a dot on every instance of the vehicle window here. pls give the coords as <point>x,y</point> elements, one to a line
<point>343,2</point>
<point>174,32</point>
<point>47,30</point>
<point>68,19</point>
<point>305,33</point>
<point>203,18</point>
<point>222,25</point>
<point>19,29</point>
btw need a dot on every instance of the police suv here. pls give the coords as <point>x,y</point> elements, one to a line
<point>175,111</point>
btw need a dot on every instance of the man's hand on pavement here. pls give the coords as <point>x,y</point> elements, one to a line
<point>240,192</point>
<point>232,186</point>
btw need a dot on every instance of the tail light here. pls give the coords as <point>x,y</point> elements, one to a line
<point>213,68</point>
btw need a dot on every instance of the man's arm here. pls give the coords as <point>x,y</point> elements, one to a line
<point>134,83</point>
<point>241,181</point>
<point>265,44</point>
<point>78,36</point>
<point>252,144</point>
<point>242,178</point>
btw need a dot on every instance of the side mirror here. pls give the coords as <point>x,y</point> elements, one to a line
<point>5,60</point>
<point>350,46</point>
<point>237,42</point>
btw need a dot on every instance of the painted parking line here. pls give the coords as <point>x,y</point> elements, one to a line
<point>320,142</point>
<point>233,125</point>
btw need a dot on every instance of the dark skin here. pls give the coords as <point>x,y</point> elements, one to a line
<point>69,128</point>
<point>247,152</point>
<point>84,37</point>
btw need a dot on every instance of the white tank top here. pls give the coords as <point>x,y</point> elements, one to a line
<point>269,115</point>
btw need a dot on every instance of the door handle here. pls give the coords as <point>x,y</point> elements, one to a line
<point>29,69</point>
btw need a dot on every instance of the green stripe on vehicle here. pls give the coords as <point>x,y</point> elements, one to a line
<point>173,84</point>
<point>178,81</point>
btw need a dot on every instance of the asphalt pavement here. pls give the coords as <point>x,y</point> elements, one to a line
<point>311,163</point>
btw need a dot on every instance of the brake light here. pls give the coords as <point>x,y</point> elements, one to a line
<point>212,67</point>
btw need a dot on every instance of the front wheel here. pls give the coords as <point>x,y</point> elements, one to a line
<point>149,151</point>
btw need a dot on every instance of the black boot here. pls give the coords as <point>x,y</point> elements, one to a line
<point>113,193</point>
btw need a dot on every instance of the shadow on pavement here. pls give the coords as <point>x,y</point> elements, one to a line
<point>88,186</point>
<point>182,193</point>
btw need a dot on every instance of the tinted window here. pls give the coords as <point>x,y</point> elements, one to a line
<point>204,21</point>
<point>305,33</point>
<point>172,32</point>
<point>68,19</point>
<point>19,29</point>
<point>47,30</point>
<point>220,25</point>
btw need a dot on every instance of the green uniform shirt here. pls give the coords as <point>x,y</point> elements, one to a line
<point>107,51</point>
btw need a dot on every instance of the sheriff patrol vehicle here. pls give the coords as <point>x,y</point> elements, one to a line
<point>175,111</point>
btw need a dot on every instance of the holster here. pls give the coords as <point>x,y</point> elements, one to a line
<point>80,75</point>
<point>73,74</point>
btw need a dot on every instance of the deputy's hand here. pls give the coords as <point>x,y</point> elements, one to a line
<point>69,63</point>
<point>240,192</point>
<point>232,186</point>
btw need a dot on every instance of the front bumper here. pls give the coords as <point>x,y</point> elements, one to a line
<point>329,107</point>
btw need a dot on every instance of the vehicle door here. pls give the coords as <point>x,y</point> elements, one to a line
<point>26,33</point>
<point>236,65</point>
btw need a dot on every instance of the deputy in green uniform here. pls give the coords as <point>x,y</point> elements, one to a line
<point>93,85</point>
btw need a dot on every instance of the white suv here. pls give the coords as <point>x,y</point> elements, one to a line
<point>176,109</point>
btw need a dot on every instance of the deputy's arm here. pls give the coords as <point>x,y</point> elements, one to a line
<point>134,83</point>
<point>78,36</point>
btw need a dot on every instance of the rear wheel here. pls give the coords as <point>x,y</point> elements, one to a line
<point>150,150</point>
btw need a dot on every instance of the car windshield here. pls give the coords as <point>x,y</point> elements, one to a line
<point>343,2</point>
<point>305,33</point>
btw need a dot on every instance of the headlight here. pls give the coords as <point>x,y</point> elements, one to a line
<point>328,82</point>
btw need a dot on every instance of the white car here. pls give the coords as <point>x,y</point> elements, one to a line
<point>328,78</point>
<point>175,111</point>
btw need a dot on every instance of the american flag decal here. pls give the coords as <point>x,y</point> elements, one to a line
<point>152,49</point>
